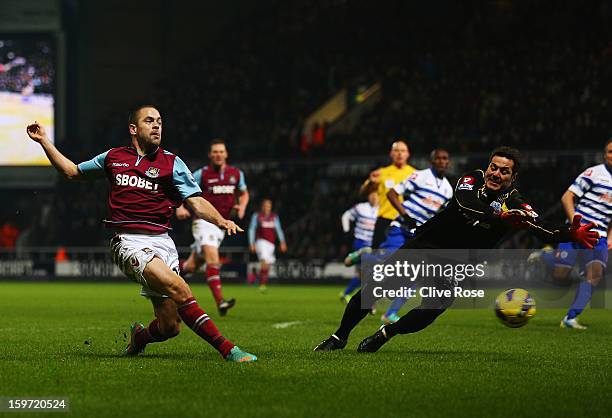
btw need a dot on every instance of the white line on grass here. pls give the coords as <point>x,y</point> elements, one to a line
<point>283,325</point>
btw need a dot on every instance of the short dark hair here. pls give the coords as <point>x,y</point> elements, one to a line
<point>132,117</point>
<point>216,141</point>
<point>433,153</point>
<point>608,142</point>
<point>509,153</point>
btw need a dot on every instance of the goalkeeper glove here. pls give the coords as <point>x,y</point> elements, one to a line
<point>517,218</point>
<point>583,234</point>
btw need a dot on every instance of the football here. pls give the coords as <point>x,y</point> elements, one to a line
<point>515,307</point>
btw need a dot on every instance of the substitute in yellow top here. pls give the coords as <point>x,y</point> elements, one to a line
<point>382,180</point>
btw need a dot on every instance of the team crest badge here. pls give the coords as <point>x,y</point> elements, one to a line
<point>232,179</point>
<point>152,172</point>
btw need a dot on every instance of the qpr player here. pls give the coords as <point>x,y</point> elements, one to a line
<point>485,207</point>
<point>590,195</point>
<point>147,183</point>
<point>221,184</point>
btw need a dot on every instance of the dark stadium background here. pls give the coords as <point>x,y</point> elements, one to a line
<point>464,75</point>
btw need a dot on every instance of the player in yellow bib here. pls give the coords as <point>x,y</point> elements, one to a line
<point>384,179</point>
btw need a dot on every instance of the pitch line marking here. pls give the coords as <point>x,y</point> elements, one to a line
<point>283,325</point>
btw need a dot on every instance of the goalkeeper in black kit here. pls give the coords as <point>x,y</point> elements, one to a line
<point>485,207</point>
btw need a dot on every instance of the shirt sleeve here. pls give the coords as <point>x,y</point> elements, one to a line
<point>347,218</point>
<point>279,229</point>
<point>93,167</point>
<point>548,232</point>
<point>197,176</point>
<point>183,180</point>
<point>252,229</point>
<point>582,184</point>
<point>242,186</point>
<point>408,185</point>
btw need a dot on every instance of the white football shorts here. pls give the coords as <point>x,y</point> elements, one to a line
<point>205,233</point>
<point>132,252</point>
<point>265,251</point>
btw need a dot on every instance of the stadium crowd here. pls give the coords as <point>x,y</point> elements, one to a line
<point>494,75</point>
<point>26,66</point>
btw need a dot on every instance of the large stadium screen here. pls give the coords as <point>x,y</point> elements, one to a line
<point>27,93</point>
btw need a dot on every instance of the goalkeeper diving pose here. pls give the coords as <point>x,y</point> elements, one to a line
<point>485,207</point>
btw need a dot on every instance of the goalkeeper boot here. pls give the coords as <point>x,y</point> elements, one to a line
<point>571,323</point>
<point>132,349</point>
<point>331,344</point>
<point>355,257</point>
<point>373,343</point>
<point>236,355</point>
<point>226,305</point>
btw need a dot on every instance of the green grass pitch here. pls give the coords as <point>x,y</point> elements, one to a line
<point>466,364</point>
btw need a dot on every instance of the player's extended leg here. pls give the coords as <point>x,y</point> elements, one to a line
<point>396,238</point>
<point>264,272</point>
<point>161,279</point>
<point>391,315</point>
<point>594,273</point>
<point>354,284</point>
<point>353,314</point>
<point>416,320</point>
<point>166,325</point>
<point>213,278</point>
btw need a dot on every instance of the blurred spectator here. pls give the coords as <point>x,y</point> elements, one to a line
<point>8,235</point>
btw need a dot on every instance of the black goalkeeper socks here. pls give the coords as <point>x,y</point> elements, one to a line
<point>353,314</point>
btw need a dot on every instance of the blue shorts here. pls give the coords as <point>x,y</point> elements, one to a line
<point>396,238</point>
<point>569,252</point>
<point>358,244</point>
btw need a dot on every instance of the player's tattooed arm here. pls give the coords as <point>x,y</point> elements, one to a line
<point>62,164</point>
<point>204,210</point>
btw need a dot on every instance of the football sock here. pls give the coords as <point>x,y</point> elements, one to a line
<point>352,315</point>
<point>395,306</point>
<point>583,296</point>
<point>214,281</point>
<point>196,319</point>
<point>263,276</point>
<point>353,284</point>
<point>151,334</point>
<point>415,320</point>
